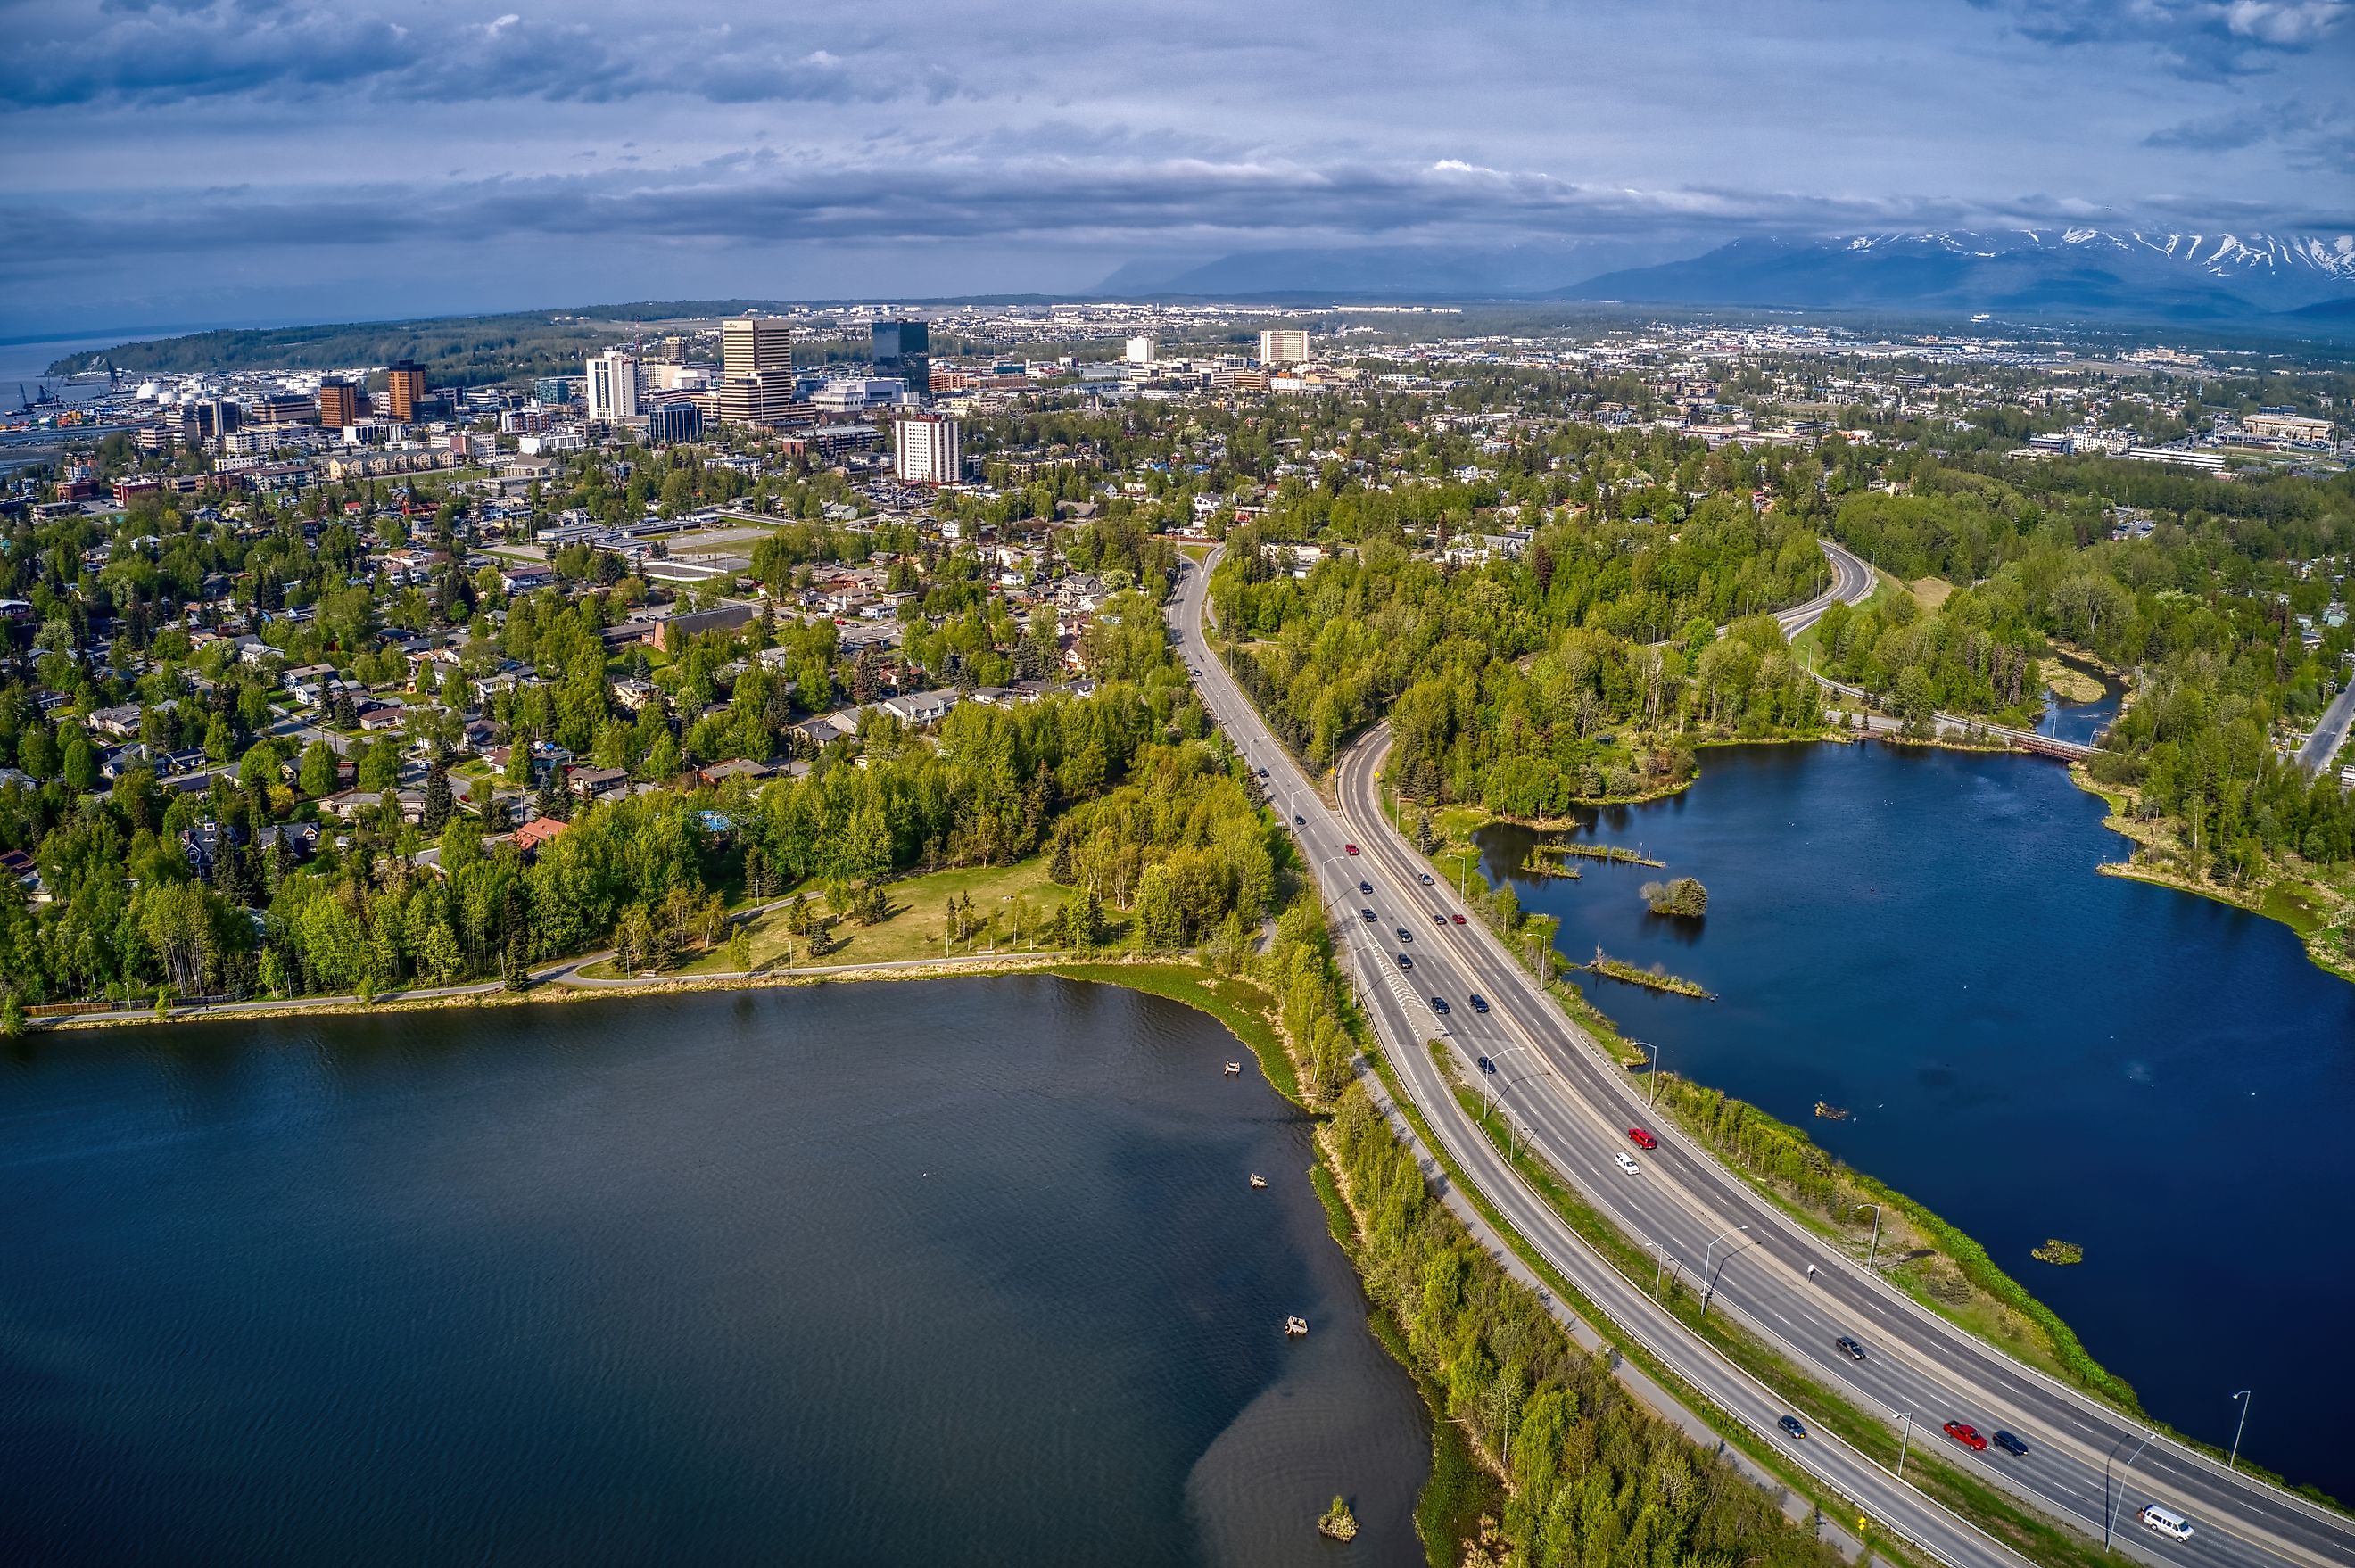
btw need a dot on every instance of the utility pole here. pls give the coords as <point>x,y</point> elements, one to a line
<point>1905,1435</point>
<point>2110,1512</point>
<point>1708,1280</point>
<point>1875,1245</point>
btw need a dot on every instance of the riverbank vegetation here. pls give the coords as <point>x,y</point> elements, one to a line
<point>1681,897</point>
<point>2217,600</point>
<point>1655,978</point>
<point>1595,1478</point>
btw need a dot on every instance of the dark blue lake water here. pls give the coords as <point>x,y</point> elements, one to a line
<point>2082,722</point>
<point>957,1272</point>
<point>2031,1049</point>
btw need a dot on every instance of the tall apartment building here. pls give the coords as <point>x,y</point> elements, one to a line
<point>756,369</point>
<point>404,388</point>
<point>614,387</point>
<point>340,403</point>
<point>1288,346</point>
<point>904,348</point>
<point>928,449</point>
<point>1140,351</point>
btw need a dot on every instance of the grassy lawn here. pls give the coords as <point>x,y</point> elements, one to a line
<point>919,919</point>
<point>1931,591</point>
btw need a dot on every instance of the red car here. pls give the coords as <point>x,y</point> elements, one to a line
<point>1459,920</point>
<point>1352,849</point>
<point>1641,1138</point>
<point>1963,1433</point>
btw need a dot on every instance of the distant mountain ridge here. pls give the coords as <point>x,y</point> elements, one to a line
<point>2178,277</point>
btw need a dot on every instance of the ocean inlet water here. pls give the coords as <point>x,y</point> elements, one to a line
<point>963,1270</point>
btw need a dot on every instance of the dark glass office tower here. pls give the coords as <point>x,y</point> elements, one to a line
<point>904,348</point>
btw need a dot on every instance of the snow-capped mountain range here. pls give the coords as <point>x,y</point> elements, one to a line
<point>2216,277</point>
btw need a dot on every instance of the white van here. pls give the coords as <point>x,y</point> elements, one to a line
<point>2166,1522</point>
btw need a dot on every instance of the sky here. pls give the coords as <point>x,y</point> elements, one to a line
<point>185,163</point>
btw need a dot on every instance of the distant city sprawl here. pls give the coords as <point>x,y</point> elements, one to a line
<point>423,672</point>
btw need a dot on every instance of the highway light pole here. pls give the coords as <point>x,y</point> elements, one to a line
<point>2110,1512</point>
<point>1904,1433</point>
<point>1658,1269</point>
<point>2240,1426</point>
<point>1708,1280</point>
<point>1651,1069</point>
<point>1875,1244</point>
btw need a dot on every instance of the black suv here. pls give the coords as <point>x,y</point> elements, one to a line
<point>2010,1445</point>
<point>1855,1351</point>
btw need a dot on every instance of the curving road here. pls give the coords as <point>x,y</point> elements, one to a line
<point>1575,1106</point>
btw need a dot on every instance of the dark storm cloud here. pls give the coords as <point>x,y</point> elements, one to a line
<point>163,53</point>
<point>190,145</point>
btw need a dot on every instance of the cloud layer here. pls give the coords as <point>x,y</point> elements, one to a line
<point>174,154</point>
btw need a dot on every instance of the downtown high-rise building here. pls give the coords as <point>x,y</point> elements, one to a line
<point>927,449</point>
<point>404,388</point>
<point>756,370</point>
<point>751,344</point>
<point>340,403</point>
<point>1285,346</point>
<point>614,387</point>
<point>904,348</point>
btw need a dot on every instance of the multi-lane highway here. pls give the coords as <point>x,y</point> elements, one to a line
<point>2085,1464</point>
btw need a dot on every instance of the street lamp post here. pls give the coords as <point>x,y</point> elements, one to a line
<point>1651,1069</point>
<point>1875,1245</point>
<point>1658,1267</point>
<point>1905,1435</point>
<point>1708,1280</point>
<point>2110,1512</point>
<point>2240,1426</point>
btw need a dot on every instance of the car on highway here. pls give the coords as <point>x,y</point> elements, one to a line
<point>1626,1162</point>
<point>2165,1521</point>
<point>2011,1445</point>
<point>1459,920</point>
<point>1790,1424</point>
<point>1352,849</point>
<point>1439,1004</point>
<point>1479,1003</point>
<point>1427,876</point>
<point>1439,920</point>
<point>1365,887</point>
<point>1262,772</point>
<point>1641,1138</point>
<point>1963,1433</point>
<point>1486,1065</point>
<point>1298,820</point>
<point>1404,962</point>
<point>1855,1351</point>
<point>1404,934</point>
<point>1369,916</point>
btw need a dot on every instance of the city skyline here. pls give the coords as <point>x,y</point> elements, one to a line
<point>184,163</point>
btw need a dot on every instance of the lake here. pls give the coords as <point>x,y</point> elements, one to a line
<point>960,1270</point>
<point>2029,1048</point>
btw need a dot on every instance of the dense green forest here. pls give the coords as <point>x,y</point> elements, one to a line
<point>1508,683</point>
<point>2202,614</point>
